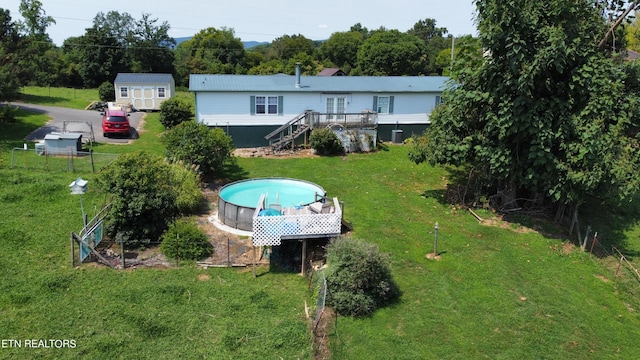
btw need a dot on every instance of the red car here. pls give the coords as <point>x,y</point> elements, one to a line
<point>115,122</point>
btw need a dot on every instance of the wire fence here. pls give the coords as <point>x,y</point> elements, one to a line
<point>321,301</point>
<point>620,266</point>
<point>72,161</point>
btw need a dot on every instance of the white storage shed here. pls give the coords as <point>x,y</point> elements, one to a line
<point>143,91</point>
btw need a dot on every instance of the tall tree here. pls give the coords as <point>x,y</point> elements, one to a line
<point>390,52</point>
<point>547,114</point>
<point>341,49</point>
<point>9,38</point>
<point>288,46</point>
<point>38,59</point>
<point>212,50</point>
<point>151,47</point>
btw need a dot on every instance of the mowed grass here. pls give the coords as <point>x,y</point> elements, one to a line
<point>499,290</point>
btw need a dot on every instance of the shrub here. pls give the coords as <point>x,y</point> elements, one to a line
<point>184,240</point>
<point>144,197</point>
<point>188,193</point>
<point>8,114</point>
<point>106,91</point>
<point>173,112</point>
<point>358,278</point>
<point>196,144</point>
<point>325,142</point>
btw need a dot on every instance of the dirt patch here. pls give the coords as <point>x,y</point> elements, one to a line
<point>228,249</point>
<point>325,327</point>
<point>267,152</point>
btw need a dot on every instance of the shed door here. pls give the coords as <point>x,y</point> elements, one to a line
<point>142,98</point>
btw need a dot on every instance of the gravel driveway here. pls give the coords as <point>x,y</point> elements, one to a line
<point>77,122</point>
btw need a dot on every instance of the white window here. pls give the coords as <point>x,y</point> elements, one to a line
<point>124,92</point>
<point>266,105</point>
<point>383,105</point>
<point>162,92</point>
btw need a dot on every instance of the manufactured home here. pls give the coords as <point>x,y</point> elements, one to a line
<point>252,108</point>
<point>143,91</point>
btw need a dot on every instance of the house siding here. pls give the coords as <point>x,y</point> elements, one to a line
<point>228,101</point>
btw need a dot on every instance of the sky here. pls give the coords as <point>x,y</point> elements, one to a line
<point>254,20</point>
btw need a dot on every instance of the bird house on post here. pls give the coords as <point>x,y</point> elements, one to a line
<point>78,186</point>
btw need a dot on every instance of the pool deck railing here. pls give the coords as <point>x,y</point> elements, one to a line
<point>315,220</point>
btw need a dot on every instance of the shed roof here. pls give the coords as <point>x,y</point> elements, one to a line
<point>287,83</point>
<point>140,78</point>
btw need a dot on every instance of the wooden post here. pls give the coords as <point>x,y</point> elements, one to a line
<point>228,254</point>
<point>304,255</point>
<point>73,261</point>
<point>254,258</point>
<point>595,238</point>
<point>618,269</point>
<point>122,251</point>
<point>93,167</point>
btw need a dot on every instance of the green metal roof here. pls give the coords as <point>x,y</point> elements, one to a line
<point>333,84</point>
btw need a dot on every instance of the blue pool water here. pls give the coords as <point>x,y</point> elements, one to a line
<point>284,191</point>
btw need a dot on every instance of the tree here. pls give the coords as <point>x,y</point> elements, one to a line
<point>37,58</point>
<point>210,51</point>
<point>196,144</point>
<point>546,115</point>
<point>434,40</point>
<point>467,54</point>
<point>151,47</point>
<point>390,52</point>
<point>102,50</point>
<point>286,47</point>
<point>341,49</point>
<point>9,37</point>
<point>426,30</point>
<point>143,197</point>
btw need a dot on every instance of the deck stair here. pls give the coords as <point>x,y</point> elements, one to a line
<point>287,134</point>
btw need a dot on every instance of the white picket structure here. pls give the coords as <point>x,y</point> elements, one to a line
<point>270,230</point>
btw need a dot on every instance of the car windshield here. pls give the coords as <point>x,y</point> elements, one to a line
<point>117,118</point>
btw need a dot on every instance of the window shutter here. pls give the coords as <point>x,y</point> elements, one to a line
<point>280,104</point>
<point>438,100</point>
<point>390,104</point>
<point>375,104</point>
<point>252,109</point>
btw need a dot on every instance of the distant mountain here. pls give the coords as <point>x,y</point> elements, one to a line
<point>247,44</point>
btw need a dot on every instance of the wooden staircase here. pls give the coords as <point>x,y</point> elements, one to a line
<point>287,134</point>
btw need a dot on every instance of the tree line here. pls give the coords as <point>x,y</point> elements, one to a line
<point>118,42</point>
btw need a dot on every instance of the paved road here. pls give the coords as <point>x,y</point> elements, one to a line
<point>77,122</point>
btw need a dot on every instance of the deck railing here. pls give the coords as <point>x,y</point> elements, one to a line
<point>362,120</point>
<point>271,230</point>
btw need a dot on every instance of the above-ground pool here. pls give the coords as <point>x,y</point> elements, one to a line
<point>237,201</point>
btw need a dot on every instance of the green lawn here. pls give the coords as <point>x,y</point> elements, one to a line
<point>497,291</point>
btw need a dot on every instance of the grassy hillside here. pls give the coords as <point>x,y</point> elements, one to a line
<point>500,289</point>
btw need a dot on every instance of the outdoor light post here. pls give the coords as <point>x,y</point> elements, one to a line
<point>79,187</point>
<point>435,242</point>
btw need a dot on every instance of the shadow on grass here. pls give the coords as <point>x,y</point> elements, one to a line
<point>42,100</point>
<point>617,224</point>
<point>234,172</point>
